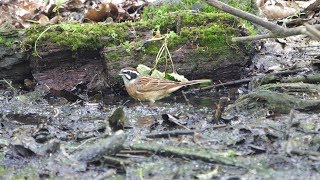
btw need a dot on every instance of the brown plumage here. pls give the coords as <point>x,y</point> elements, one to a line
<point>147,88</point>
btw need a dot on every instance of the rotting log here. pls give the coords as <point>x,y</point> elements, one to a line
<point>93,54</point>
<point>201,49</point>
<point>62,69</point>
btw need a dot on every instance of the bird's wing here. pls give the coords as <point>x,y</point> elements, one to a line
<point>147,83</point>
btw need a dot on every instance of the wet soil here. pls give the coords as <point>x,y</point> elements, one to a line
<point>49,137</point>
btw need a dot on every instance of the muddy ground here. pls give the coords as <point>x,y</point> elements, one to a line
<point>47,137</point>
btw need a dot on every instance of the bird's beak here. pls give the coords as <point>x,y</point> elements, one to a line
<point>120,74</point>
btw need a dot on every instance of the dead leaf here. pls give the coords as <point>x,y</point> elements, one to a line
<point>43,20</point>
<point>55,20</point>
<point>145,121</point>
<point>102,13</point>
<point>277,10</point>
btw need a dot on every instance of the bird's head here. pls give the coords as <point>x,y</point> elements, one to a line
<point>129,75</point>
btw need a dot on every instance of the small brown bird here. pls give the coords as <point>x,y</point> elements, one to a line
<point>147,88</point>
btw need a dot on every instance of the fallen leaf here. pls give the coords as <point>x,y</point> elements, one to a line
<point>176,77</point>
<point>157,74</point>
<point>278,10</point>
<point>102,13</point>
<point>143,69</point>
<point>43,20</point>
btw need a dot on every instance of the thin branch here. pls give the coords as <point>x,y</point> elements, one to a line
<point>250,17</point>
<point>288,32</point>
<point>149,40</point>
<point>174,133</point>
<point>166,134</point>
<point>247,80</point>
<point>9,83</point>
<point>252,38</point>
<point>276,31</point>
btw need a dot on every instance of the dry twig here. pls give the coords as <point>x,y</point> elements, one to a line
<point>247,80</point>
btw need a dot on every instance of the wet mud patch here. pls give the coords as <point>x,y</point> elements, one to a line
<point>165,140</point>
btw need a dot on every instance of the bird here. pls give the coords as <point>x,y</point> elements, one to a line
<point>148,88</point>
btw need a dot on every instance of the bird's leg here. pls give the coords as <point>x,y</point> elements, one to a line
<point>141,103</point>
<point>220,107</point>
<point>185,98</point>
<point>126,102</point>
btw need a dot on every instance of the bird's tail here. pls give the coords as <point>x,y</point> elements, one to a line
<point>200,81</point>
<point>187,83</point>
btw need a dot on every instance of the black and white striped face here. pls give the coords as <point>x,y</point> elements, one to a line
<point>128,74</point>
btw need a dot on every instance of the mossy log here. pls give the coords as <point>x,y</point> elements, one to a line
<point>201,50</point>
<point>279,98</point>
<point>64,55</point>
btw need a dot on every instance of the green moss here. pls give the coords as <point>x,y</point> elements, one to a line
<point>6,41</point>
<point>213,36</point>
<point>117,54</point>
<point>153,47</point>
<point>1,40</point>
<point>212,30</point>
<point>209,29</point>
<point>113,56</point>
<point>240,4</point>
<point>213,41</point>
<point>158,9</point>
<point>165,16</point>
<point>176,40</point>
<point>79,36</point>
<point>168,21</point>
